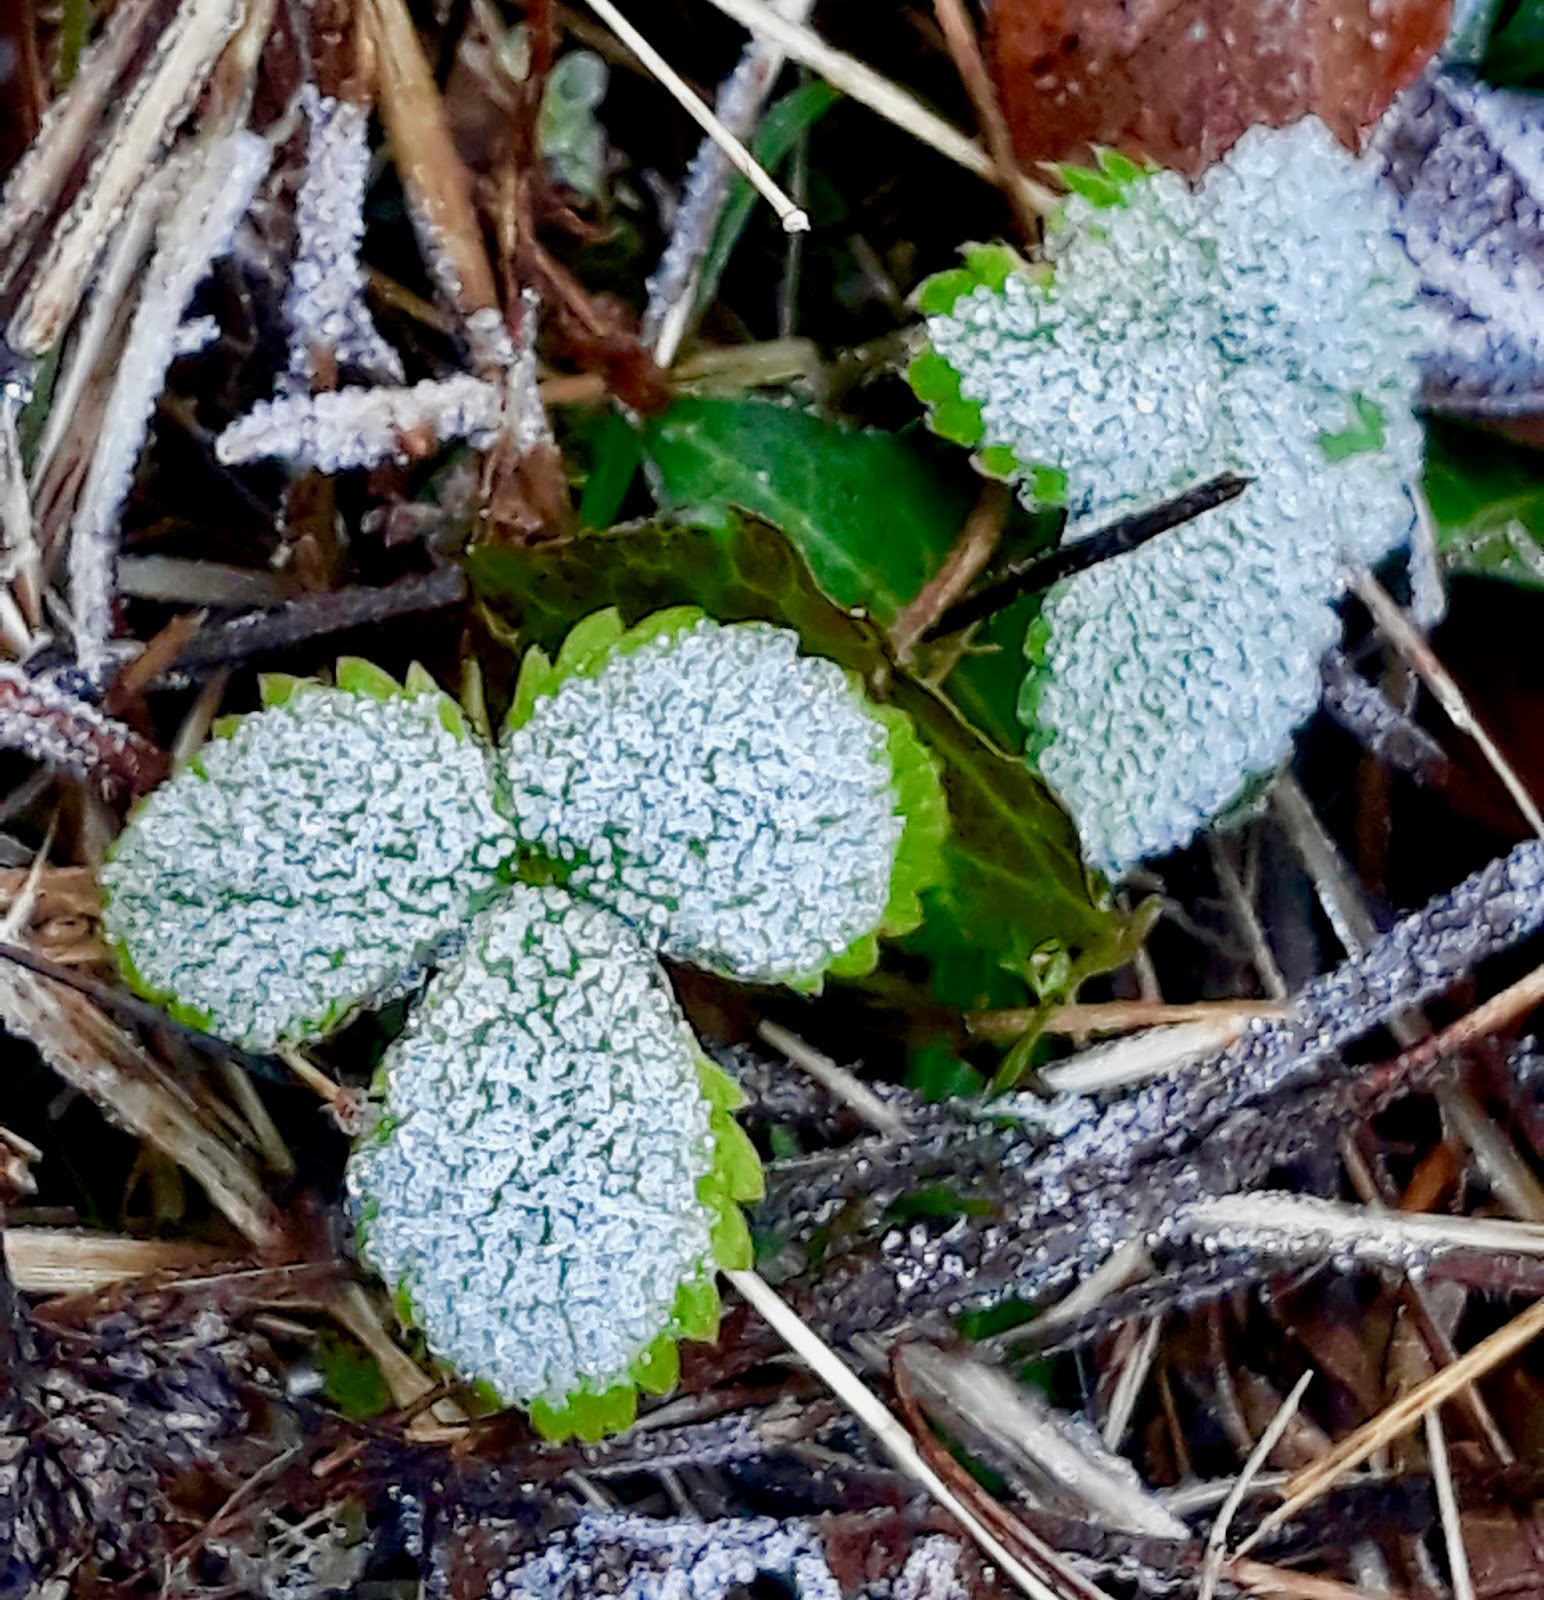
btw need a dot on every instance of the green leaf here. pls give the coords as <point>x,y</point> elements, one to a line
<point>1487,498</point>
<point>1365,434</point>
<point>1015,879</point>
<point>783,124</point>
<point>937,1073</point>
<point>1515,52</point>
<point>351,1380</point>
<point>865,510</point>
<point>610,445</point>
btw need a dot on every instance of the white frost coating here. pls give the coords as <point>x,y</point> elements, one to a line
<point>197,230</point>
<point>681,1560</point>
<point>325,304</point>
<point>535,1190</point>
<point>1185,333</point>
<point>729,797</point>
<point>347,428</point>
<point>334,841</point>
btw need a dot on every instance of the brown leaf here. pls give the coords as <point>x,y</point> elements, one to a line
<point>1178,81</point>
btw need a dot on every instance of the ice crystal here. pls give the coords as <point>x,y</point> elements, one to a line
<point>639,1558</point>
<point>735,800</point>
<point>1262,323</point>
<point>305,864</point>
<point>540,1189</point>
<point>325,305</point>
<point>347,428</point>
<point>197,230</point>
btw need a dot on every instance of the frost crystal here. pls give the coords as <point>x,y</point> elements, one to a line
<point>1262,323</point>
<point>675,1560</point>
<point>347,428</point>
<point>730,798</point>
<point>325,304</point>
<point>304,865</point>
<point>198,229</point>
<point>536,1190</point>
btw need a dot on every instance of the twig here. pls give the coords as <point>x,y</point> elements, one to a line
<point>1377,724</point>
<point>867,1407</point>
<point>1447,1507</point>
<point>1396,628</point>
<point>793,217</point>
<point>1120,1016</point>
<point>840,1084</point>
<point>1315,1480</point>
<point>975,547</point>
<point>1242,907</point>
<point>1217,1540</point>
<point>1117,538</point>
<point>869,88</point>
<point>960,36</point>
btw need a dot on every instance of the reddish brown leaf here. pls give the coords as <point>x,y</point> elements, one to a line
<point>1179,80</point>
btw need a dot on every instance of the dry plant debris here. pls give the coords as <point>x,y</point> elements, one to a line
<point>1173,1234</point>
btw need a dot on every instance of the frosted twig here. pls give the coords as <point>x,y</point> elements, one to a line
<point>867,1407</point>
<point>866,86</point>
<point>1447,1507</point>
<point>1241,904</point>
<point>793,217</point>
<point>1397,629</point>
<point>39,177</point>
<point>347,428</point>
<point>1141,1056</point>
<point>1316,1479</point>
<point>164,95</point>
<point>840,1084</point>
<point>195,232</point>
<point>325,304</point>
<point>106,312</point>
<point>1306,1228</point>
<point>1120,1016</point>
<point>18,543</point>
<point>673,285</point>
<point>1217,1540</point>
<point>50,725</point>
<point>1376,723</point>
<point>1053,1450</point>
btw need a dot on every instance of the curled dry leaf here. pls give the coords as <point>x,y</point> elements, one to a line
<point>1178,81</point>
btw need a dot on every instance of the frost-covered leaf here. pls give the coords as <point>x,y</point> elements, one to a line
<point>865,510</point>
<point>1465,164</point>
<point>1012,855</point>
<point>745,807</point>
<point>304,864</point>
<point>1179,83</point>
<point>1262,323</point>
<point>557,1173</point>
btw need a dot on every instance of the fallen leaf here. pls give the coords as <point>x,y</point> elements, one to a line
<point>1178,81</point>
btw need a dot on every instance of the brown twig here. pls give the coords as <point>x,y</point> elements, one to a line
<point>975,547</point>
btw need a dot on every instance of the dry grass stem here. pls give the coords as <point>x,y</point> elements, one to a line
<point>72,1261</point>
<point>1398,630</point>
<point>839,1083</point>
<point>1140,1056</point>
<point>869,88</point>
<point>1128,1387</point>
<point>975,546</point>
<point>793,217</point>
<point>1306,1486</point>
<point>1120,1016</point>
<point>185,54</point>
<point>1447,1506</point>
<point>864,1404</point>
<point>1217,1540</point>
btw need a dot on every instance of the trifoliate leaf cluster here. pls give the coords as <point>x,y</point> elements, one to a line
<point>557,1171</point>
<point>1264,323</point>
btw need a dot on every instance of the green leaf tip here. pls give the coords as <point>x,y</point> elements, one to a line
<point>746,807</point>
